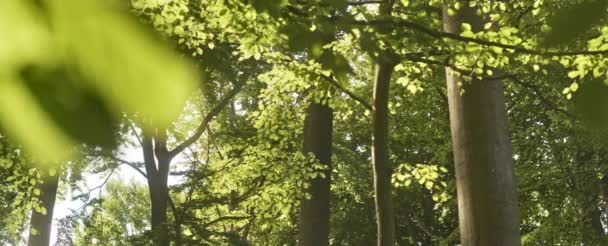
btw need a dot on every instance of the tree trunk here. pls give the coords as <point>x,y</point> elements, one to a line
<point>383,170</point>
<point>487,199</point>
<point>42,223</point>
<point>382,167</point>
<point>585,187</point>
<point>158,199</point>
<point>157,187</point>
<point>315,212</point>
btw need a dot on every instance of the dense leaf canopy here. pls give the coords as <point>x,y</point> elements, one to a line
<point>216,93</point>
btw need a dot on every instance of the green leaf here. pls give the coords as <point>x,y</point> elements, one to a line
<point>131,69</point>
<point>120,67</point>
<point>591,104</point>
<point>24,120</point>
<point>63,98</point>
<point>273,8</point>
<point>574,87</point>
<point>571,22</point>
<point>435,197</point>
<point>466,27</point>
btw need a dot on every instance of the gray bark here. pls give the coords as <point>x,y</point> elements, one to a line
<point>42,223</point>
<point>157,187</point>
<point>315,212</point>
<point>381,165</point>
<point>487,199</point>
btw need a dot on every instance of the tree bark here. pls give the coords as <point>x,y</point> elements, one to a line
<point>382,167</point>
<point>157,187</point>
<point>42,223</point>
<point>487,199</point>
<point>315,212</point>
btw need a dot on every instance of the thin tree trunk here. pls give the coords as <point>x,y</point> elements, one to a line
<point>487,199</point>
<point>42,223</point>
<point>315,212</point>
<point>382,167</point>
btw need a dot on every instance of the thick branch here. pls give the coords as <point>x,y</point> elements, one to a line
<point>439,34</point>
<point>148,150</point>
<point>132,165</point>
<point>201,128</point>
<point>360,3</point>
<point>511,77</point>
<point>352,95</point>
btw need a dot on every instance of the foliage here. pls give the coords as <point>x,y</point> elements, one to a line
<point>242,181</point>
<point>94,58</point>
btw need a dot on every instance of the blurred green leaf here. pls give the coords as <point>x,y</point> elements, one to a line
<point>591,104</point>
<point>570,22</point>
<point>25,37</point>
<point>76,109</point>
<point>119,66</point>
<point>337,63</point>
<point>273,8</point>
<point>28,124</point>
<point>130,67</point>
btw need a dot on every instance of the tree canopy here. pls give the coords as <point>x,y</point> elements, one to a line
<point>304,122</point>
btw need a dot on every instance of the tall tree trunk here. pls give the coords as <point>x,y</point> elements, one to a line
<point>157,187</point>
<point>383,170</point>
<point>42,223</point>
<point>382,167</point>
<point>315,212</point>
<point>487,199</point>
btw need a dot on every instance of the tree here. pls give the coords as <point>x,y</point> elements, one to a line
<point>383,170</point>
<point>42,217</point>
<point>485,179</point>
<point>157,161</point>
<point>242,175</point>
<point>315,212</point>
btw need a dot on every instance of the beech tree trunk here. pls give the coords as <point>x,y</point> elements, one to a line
<point>42,223</point>
<point>385,217</point>
<point>315,212</point>
<point>383,169</point>
<point>157,186</point>
<point>487,199</point>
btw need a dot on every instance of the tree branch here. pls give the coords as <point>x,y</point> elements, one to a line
<point>220,219</point>
<point>131,164</point>
<point>201,128</point>
<point>352,95</point>
<point>439,34</point>
<point>359,3</point>
<point>148,151</point>
<point>511,77</point>
<point>540,95</point>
